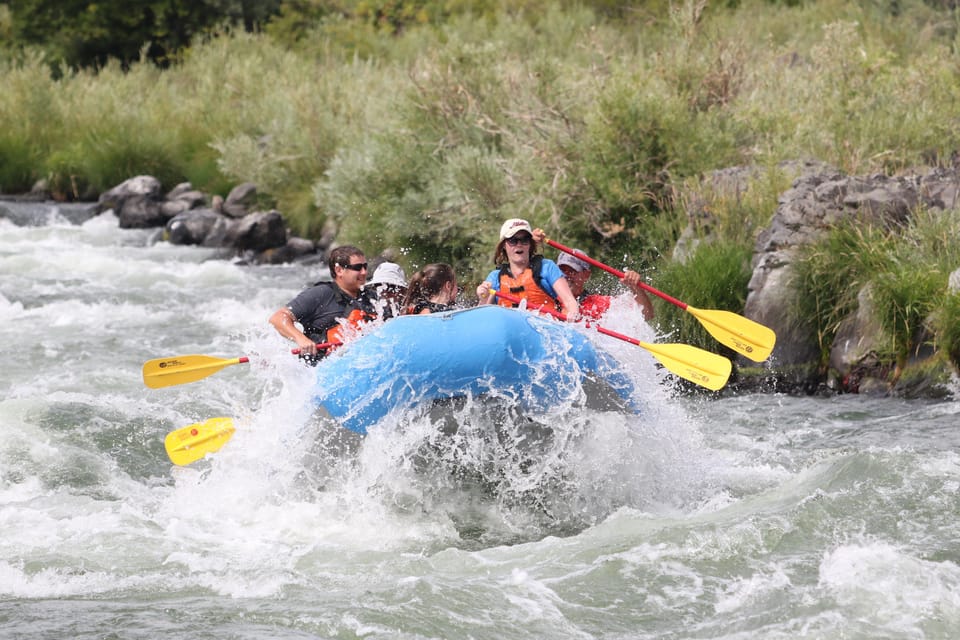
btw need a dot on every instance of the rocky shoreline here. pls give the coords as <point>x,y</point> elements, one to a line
<point>819,198</point>
<point>186,216</point>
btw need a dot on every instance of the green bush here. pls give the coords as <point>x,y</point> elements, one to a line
<point>827,276</point>
<point>906,270</point>
<point>904,295</point>
<point>32,115</point>
<point>88,35</point>
<point>911,287</point>
<point>19,163</point>
<point>715,276</point>
<point>947,327</point>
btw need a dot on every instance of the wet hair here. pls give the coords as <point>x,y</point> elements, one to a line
<point>500,253</point>
<point>341,256</point>
<point>428,282</point>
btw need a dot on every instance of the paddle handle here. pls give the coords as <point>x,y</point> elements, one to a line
<point>620,336</point>
<point>618,274</point>
<point>320,345</point>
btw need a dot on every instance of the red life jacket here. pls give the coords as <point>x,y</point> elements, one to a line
<point>594,305</point>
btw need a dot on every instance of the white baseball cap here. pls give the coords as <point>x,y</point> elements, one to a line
<point>513,226</point>
<point>573,262</point>
<point>388,273</point>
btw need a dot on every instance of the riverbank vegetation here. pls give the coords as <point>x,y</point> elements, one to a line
<point>905,272</point>
<point>421,126</point>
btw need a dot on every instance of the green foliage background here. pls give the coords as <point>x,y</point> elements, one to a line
<point>421,125</point>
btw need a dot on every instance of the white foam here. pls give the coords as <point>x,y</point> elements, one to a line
<point>892,588</point>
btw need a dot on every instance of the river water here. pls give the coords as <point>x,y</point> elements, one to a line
<point>760,516</point>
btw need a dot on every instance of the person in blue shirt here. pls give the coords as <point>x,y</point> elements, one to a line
<point>523,273</point>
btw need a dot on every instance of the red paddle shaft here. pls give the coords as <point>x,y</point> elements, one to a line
<point>320,345</point>
<point>619,274</point>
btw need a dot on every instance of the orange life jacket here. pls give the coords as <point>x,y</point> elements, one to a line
<point>526,288</point>
<point>355,321</point>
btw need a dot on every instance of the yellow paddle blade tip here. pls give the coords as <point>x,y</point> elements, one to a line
<point>193,442</point>
<point>713,381</point>
<point>747,337</point>
<point>709,370</point>
<point>167,372</point>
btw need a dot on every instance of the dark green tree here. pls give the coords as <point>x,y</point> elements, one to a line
<point>79,33</point>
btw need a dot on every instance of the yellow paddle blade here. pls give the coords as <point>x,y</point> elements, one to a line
<point>743,335</point>
<point>690,363</point>
<point>189,444</point>
<point>167,372</point>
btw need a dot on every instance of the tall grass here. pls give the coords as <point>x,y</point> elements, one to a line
<point>911,290</point>
<point>715,276</point>
<point>584,122</point>
<point>905,272</point>
<point>828,275</point>
<point>947,326</point>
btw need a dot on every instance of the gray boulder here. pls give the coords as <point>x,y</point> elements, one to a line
<point>240,200</point>
<point>136,203</point>
<point>258,231</point>
<point>294,250</point>
<point>195,227</point>
<point>807,211</point>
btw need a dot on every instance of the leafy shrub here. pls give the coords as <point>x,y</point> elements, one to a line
<point>947,326</point>
<point>714,277</point>
<point>907,270</point>
<point>827,275</point>
<point>911,288</point>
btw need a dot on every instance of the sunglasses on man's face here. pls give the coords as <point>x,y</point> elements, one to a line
<point>360,266</point>
<point>519,240</point>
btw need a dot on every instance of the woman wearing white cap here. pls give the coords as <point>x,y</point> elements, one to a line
<point>524,274</point>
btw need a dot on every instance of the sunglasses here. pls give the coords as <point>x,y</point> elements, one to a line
<point>521,240</point>
<point>360,266</point>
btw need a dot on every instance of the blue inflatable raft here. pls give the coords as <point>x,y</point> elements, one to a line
<point>531,361</point>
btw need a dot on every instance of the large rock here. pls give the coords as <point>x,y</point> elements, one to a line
<point>196,227</point>
<point>184,213</point>
<point>804,212</point>
<point>854,353</point>
<point>136,203</point>
<point>182,197</point>
<point>814,205</point>
<point>258,231</point>
<point>240,200</point>
<point>295,250</point>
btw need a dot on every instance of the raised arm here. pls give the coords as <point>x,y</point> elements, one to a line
<point>632,280</point>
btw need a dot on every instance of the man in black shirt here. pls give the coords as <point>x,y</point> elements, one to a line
<point>318,308</point>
